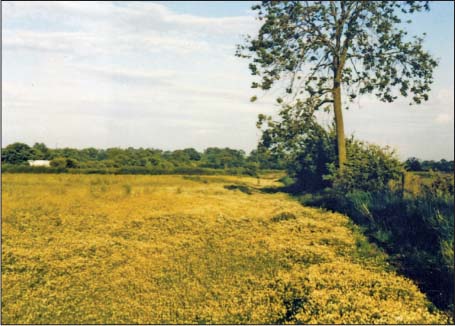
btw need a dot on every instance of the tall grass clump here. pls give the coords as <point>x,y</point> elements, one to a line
<point>127,188</point>
<point>415,228</point>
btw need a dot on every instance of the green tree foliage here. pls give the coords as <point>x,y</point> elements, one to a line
<point>59,162</point>
<point>141,158</point>
<point>72,163</point>
<point>305,146</point>
<point>319,48</point>
<point>89,154</point>
<point>310,153</point>
<point>179,156</point>
<point>41,152</point>
<point>370,168</point>
<point>413,164</point>
<point>265,159</point>
<point>192,154</point>
<point>215,157</point>
<point>62,163</point>
<point>17,153</point>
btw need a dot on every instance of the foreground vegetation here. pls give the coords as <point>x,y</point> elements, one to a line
<point>415,227</point>
<point>189,249</point>
<point>318,55</point>
<point>409,214</point>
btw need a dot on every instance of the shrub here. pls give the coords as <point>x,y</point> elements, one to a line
<point>59,162</point>
<point>311,164</point>
<point>369,168</point>
<point>286,180</point>
<point>72,163</point>
<point>301,143</point>
<point>252,169</point>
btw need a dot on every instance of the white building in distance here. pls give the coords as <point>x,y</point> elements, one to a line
<point>39,163</point>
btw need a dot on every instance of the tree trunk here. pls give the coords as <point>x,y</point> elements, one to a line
<point>341,142</point>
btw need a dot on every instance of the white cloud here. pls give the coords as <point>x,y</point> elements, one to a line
<point>444,108</point>
<point>445,96</point>
<point>138,16</point>
<point>150,24</point>
<point>444,118</point>
<point>140,74</point>
<point>117,74</point>
<point>83,43</point>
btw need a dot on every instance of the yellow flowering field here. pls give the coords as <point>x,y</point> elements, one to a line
<point>198,249</point>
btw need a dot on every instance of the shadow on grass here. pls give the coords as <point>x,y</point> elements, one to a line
<point>405,258</point>
<point>291,190</point>
<point>243,188</point>
<point>265,190</point>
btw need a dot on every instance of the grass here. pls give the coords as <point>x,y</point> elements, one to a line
<point>414,227</point>
<point>415,180</point>
<point>170,249</point>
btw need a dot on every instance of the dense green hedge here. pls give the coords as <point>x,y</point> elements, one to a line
<point>9,168</point>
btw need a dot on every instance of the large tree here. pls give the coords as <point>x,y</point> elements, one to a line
<point>41,151</point>
<point>17,153</point>
<point>326,50</point>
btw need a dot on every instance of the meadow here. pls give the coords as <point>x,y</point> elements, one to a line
<point>414,181</point>
<point>189,249</point>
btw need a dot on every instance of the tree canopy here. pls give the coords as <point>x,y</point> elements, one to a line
<point>316,49</point>
<point>17,153</point>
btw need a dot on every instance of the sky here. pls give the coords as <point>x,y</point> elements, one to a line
<point>164,75</point>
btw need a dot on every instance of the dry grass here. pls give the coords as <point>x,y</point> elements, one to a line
<point>415,180</point>
<point>169,249</point>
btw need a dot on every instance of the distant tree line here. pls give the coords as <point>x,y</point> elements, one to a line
<point>93,158</point>
<point>414,164</point>
<point>212,157</point>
